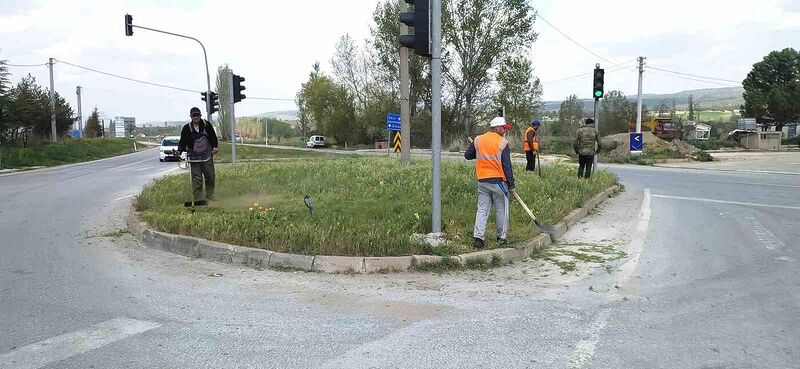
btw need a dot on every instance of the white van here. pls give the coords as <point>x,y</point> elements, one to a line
<point>315,141</point>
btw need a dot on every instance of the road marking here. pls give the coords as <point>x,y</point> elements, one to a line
<point>584,349</point>
<point>136,162</point>
<point>143,169</point>
<point>67,345</point>
<point>728,202</point>
<point>124,197</point>
<point>637,240</point>
<point>765,236</point>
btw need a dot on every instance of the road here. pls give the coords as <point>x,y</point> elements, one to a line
<point>711,280</point>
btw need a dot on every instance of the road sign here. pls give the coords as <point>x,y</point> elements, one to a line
<point>637,142</point>
<point>396,142</point>
<point>393,122</point>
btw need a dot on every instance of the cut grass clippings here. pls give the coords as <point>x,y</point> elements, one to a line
<point>567,256</point>
<point>362,206</point>
<point>65,151</point>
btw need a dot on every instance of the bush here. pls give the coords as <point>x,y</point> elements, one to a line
<point>703,156</point>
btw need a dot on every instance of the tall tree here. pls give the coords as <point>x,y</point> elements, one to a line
<point>520,92</point>
<point>772,89</point>
<point>93,128</point>
<point>479,35</point>
<point>691,108</point>
<point>616,112</point>
<point>570,116</point>
<point>223,87</point>
<point>5,100</point>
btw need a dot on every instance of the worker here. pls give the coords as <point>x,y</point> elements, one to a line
<point>531,145</point>
<point>495,179</point>
<point>584,146</point>
<point>200,142</point>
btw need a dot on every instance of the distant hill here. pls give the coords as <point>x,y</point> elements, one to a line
<point>708,98</point>
<point>286,115</point>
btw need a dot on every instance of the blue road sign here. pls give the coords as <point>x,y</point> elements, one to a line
<point>637,142</point>
<point>393,122</point>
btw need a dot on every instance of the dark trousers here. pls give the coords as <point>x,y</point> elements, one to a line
<point>585,165</point>
<point>199,171</point>
<point>530,156</point>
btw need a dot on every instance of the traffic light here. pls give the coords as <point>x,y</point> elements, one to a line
<point>214,107</point>
<point>420,21</point>
<point>598,82</point>
<point>128,25</point>
<point>238,88</point>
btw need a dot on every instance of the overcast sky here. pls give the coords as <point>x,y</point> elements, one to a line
<point>273,45</point>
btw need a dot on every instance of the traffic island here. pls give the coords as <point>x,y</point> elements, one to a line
<point>352,215</point>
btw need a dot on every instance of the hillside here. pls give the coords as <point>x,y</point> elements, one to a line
<point>725,97</point>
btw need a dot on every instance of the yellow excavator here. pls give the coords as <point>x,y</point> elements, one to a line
<point>661,128</point>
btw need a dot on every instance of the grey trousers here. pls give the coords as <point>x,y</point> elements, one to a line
<point>491,194</point>
<point>202,171</point>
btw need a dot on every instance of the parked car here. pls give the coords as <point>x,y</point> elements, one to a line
<point>315,141</point>
<point>168,144</point>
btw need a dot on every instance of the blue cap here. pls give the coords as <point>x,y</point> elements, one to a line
<point>536,123</point>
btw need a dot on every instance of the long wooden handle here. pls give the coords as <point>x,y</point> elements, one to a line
<point>527,210</point>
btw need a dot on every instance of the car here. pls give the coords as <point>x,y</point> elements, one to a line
<point>315,141</point>
<point>168,144</point>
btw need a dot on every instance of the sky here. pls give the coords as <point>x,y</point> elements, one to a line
<point>273,44</point>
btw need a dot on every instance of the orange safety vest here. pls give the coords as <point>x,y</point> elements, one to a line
<point>525,145</point>
<point>488,150</point>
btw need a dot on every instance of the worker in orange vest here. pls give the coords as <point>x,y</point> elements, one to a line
<point>531,145</point>
<point>492,156</point>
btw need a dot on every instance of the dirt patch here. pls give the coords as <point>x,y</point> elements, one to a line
<point>618,144</point>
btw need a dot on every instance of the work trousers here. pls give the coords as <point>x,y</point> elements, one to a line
<point>200,171</point>
<point>489,195</point>
<point>585,163</point>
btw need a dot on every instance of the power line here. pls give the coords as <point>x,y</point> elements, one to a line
<point>623,66</point>
<point>573,40</point>
<point>25,65</point>
<point>694,75</point>
<point>693,79</point>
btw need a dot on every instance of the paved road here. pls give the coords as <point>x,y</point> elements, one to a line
<point>710,281</point>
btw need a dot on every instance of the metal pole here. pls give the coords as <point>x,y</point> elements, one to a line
<point>80,112</point>
<point>405,87</point>
<point>54,134</point>
<point>436,112</point>
<point>266,131</point>
<point>596,128</point>
<point>232,117</point>
<point>639,97</point>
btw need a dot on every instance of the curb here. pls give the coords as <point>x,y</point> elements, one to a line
<point>199,248</point>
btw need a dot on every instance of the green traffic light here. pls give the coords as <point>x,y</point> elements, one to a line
<point>598,93</point>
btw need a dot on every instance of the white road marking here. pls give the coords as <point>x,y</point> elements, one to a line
<point>67,345</point>
<point>637,240</point>
<point>765,236</point>
<point>727,202</point>
<point>124,197</point>
<point>759,184</point>
<point>143,169</point>
<point>584,349</point>
<point>136,162</point>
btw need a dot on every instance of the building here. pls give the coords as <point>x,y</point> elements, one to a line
<point>123,126</point>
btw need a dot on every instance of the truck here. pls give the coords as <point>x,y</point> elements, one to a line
<point>662,128</point>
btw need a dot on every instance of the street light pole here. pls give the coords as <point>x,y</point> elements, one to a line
<point>436,112</point>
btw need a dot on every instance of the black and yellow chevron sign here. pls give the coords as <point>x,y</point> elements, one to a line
<point>396,142</point>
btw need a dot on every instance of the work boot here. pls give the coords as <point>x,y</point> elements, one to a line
<point>502,241</point>
<point>478,243</point>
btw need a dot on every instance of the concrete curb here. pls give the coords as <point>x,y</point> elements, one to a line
<point>199,248</point>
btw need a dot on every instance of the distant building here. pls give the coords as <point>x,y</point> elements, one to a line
<point>701,131</point>
<point>123,126</point>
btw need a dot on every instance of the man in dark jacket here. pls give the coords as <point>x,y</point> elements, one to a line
<point>587,144</point>
<point>199,141</point>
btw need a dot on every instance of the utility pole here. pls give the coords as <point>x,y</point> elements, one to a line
<point>80,113</point>
<point>405,104</point>
<point>436,112</point>
<point>266,131</point>
<point>54,135</point>
<point>232,116</point>
<point>639,97</point>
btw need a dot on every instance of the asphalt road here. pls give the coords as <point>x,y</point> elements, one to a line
<point>711,280</point>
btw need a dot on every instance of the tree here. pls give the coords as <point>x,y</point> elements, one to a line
<point>663,108</point>
<point>479,35</point>
<point>691,108</point>
<point>223,88</point>
<point>570,117</point>
<point>772,89</point>
<point>4,101</point>
<point>93,128</point>
<point>616,112</point>
<point>520,92</point>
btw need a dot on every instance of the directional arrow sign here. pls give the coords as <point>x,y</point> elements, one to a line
<point>396,142</point>
<point>393,122</point>
<point>637,142</point>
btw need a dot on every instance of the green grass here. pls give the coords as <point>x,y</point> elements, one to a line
<point>262,153</point>
<point>364,206</point>
<point>67,151</point>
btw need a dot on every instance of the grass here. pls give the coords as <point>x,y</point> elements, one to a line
<point>567,256</point>
<point>67,151</point>
<point>363,206</point>
<point>262,153</point>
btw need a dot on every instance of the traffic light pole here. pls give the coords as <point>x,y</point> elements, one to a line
<point>405,107</point>
<point>436,112</point>
<point>205,56</point>
<point>232,117</point>
<point>597,129</point>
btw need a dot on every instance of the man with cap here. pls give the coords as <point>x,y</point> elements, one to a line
<point>531,145</point>
<point>584,146</point>
<point>200,142</point>
<point>492,156</point>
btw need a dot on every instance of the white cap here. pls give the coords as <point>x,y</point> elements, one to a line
<point>499,122</point>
